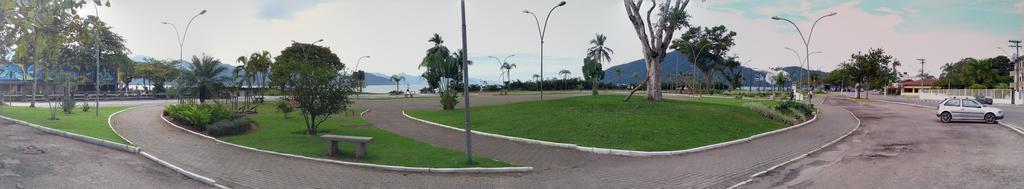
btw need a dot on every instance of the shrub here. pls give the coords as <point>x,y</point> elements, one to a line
<point>67,104</point>
<point>770,113</point>
<point>199,115</point>
<point>800,108</point>
<point>396,93</point>
<point>283,107</point>
<point>229,127</point>
<point>818,91</point>
<point>85,107</point>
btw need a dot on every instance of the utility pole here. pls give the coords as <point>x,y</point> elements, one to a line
<point>921,76</point>
<point>1016,71</point>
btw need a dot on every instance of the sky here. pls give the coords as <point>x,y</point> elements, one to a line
<point>395,32</point>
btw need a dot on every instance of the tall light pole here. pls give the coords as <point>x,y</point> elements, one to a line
<point>465,86</point>
<point>802,61</point>
<point>1016,71</point>
<point>358,61</point>
<point>542,31</point>
<point>181,37</point>
<point>97,84</point>
<point>806,40</point>
<point>501,66</point>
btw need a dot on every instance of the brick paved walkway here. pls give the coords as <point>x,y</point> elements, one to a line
<point>30,158</point>
<point>554,167</point>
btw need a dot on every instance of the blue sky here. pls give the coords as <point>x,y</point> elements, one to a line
<point>994,16</point>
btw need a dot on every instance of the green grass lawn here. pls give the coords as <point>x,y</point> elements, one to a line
<point>83,123</point>
<point>288,136</point>
<point>608,122</point>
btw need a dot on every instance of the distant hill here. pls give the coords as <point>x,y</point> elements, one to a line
<point>676,62</point>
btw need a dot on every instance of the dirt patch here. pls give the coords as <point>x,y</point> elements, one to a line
<point>31,150</point>
<point>896,147</point>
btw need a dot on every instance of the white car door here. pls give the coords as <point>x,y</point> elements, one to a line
<point>973,110</point>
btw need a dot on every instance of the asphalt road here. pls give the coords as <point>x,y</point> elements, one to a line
<point>900,146</point>
<point>30,158</point>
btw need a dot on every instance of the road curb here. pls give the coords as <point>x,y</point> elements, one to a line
<point>78,137</point>
<point>1013,128</point>
<point>804,155</point>
<point>620,152</point>
<point>193,176</point>
<point>368,165</point>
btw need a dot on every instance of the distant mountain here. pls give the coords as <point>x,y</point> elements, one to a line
<point>676,62</point>
<point>383,79</point>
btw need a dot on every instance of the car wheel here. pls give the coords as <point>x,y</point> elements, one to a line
<point>990,118</point>
<point>945,117</point>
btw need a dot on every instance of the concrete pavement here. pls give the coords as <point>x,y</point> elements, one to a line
<point>30,158</point>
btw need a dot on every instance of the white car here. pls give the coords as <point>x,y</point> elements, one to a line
<point>967,109</point>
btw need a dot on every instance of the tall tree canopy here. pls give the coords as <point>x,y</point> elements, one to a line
<point>872,70</point>
<point>707,49</point>
<point>298,54</point>
<point>989,72</point>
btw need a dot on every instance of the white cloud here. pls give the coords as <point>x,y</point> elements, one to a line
<point>1020,6</point>
<point>887,10</point>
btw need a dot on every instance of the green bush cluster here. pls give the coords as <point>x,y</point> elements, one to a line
<point>797,108</point>
<point>85,107</point>
<point>67,104</point>
<point>229,127</point>
<point>771,113</point>
<point>199,115</point>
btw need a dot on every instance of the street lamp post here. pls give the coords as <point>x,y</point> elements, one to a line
<point>542,31</point>
<point>97,82</point>
<point>181,37</point>
<point>806,40</point>
<point>501,67</point>
<point>465,86</point>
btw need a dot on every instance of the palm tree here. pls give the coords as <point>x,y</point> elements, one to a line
<point>508,74</point>
<point>203,76</point>
<point>600,53</point>
<point>397,79</point>
<point>565,75</point>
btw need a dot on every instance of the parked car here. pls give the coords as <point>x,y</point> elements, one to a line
<point>952,109</point>
<point>983,99</point>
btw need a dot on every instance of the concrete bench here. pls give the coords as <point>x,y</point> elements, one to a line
<point>360,141</point>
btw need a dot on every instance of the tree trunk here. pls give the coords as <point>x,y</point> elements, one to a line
<point>630,95</point>
<point>653,78</point>
<point>593,85</point>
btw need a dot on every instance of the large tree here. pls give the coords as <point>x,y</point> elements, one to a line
<point>707,49</point>
<point>41,30</point>
<point>157,73</point>
<point>871,70</point>
<point>299,54</point>
<point>600,54</point>
<point>655,34</point>
<point>309,74</point>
